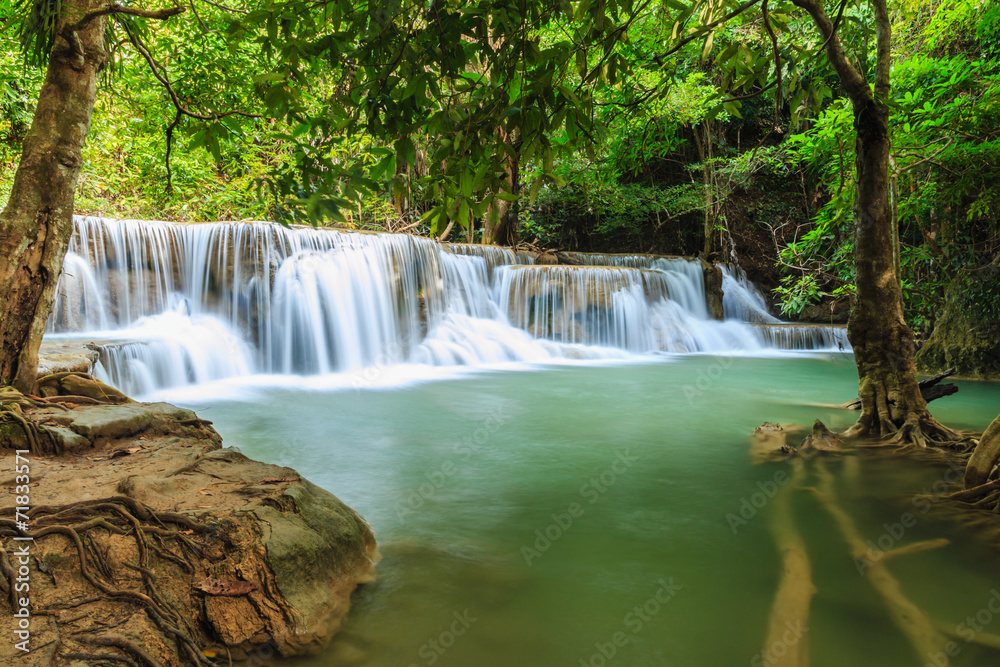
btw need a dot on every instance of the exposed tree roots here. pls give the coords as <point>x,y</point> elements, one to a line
<point>917,429</point>
<point>910,619</point>
<point>16,427</point>
<point>795,592</point>
<point>153,531</point>
<point>791,607</point>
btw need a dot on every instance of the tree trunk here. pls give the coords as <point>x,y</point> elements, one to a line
<point>504,231</point>
<point>706,181</point>
<point>37,223</point>
<point>891,402</point>
<point>883,343</point>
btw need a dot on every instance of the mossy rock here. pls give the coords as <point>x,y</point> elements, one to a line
<point>967,336</point>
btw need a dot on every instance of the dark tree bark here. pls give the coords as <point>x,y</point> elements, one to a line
<point>891,402</point>
<point>37,223</point>
<point>504,230</point>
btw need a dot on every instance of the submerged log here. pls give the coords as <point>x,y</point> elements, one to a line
<point>563,258</point>
<point>930,389</point>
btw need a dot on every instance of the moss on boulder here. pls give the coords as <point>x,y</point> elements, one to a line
<point>967,336</point>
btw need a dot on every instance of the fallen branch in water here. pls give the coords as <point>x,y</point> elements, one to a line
<point>930,389</point>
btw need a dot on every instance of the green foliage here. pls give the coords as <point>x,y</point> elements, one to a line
<point>797,292</point>
<point>36,22</point>
<point>610,125</point>
<point>945,165</point>
<point>978,293</point>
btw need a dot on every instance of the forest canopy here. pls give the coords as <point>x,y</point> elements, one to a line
<point>620,126</point>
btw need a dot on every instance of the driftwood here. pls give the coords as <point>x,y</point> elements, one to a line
<point>563,258</point>
<point>930,389</point>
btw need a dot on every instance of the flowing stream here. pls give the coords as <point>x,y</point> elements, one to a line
<point>555,459</point>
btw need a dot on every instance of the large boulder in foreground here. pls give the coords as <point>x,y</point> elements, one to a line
<point>156,545</point>
<point>967,336</point>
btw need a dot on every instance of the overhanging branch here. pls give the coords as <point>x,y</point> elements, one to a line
<point>854,83</point>
<point>703,29</point>
<point>115,8</point>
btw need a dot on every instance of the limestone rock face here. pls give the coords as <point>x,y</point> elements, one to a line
<point>828,311</point>
<point>59,357</point>
<point>967,336</point>
<point>713,290</point>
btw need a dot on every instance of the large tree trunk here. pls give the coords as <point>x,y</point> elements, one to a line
<point>891,402</point>
<point>37,223</point>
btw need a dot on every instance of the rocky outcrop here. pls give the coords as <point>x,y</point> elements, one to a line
<point>827,311</point>
<point>151,536</point>
<point>713,290</point>
<point>59,357</point>
<point>967,336</point>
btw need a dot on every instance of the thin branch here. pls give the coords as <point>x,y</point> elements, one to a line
<point>219,5</point>
<point>929,158</point>
<point>615,34</point>
<point>170,143</point>
<point>883,42</point>
<point>748,96</point>
<point>777,61</point>
<point>703,29</point>
<point>159,72</point>
<point>854,83</point>
<point>836,24</point>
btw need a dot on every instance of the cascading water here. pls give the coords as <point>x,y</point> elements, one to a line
<point>741,300</point>
<point>175,304</point>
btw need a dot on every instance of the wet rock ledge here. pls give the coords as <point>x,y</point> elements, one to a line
<point>155,545</point>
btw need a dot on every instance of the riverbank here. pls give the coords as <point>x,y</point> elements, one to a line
<point>153,542</point>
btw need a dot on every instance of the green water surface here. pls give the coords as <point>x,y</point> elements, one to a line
<point>636,473</point>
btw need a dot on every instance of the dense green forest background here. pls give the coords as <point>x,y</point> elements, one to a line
<point>695,144</point>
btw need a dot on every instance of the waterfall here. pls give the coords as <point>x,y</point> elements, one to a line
<point>179,304</point>
<point>742,300</point>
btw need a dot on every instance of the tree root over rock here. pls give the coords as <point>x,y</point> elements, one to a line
<point>122,516</point>
<point>159,547</point>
